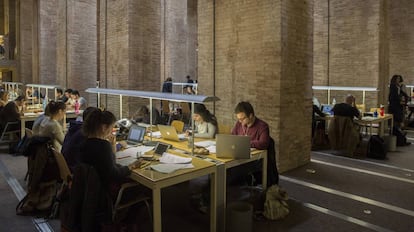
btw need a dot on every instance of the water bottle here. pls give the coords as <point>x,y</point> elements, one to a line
<point>382,111</point>
<point>333,101</point>
<point>77,107</point>
<point>190,141</point>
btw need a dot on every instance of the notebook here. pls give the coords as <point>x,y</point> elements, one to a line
<point>232,146</point>
<point>169,132</point>
<point>136,135</point>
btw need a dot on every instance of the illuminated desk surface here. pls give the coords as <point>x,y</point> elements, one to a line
<point>221,169</point>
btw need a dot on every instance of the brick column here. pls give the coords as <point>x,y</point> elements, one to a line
<point>262,54</point>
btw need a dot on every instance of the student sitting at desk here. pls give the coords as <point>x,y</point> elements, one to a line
<point>347,109</point>
<point>249,125</point>
<point>12,111</point>
<point>205,122</point>
<point>74,139</point>
<point>343,133</point>
<point>99,149</point>
<point>143,115</point>
<point>3,98</point>
<point>50,126</point>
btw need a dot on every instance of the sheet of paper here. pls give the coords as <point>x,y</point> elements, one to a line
<point>168,158</point>
<point>132,151</point>
<point>155,134</point>
<point>125,161</point>
<point>205,143</point>
<point>212,149</point>
<point>169,168</point>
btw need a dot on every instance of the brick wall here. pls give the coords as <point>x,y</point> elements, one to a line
<point>47,42</point>
<point>26,46</point>
<point>347,48</point>
<point>401,39</point>
<point>180,34</point>
<point>258,58</point>
<point>130,50</point>
<point>295,94</point>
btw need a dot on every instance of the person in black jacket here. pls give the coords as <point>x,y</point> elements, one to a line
<point>74,139</point>
<point>396,104</point>
<point>99,149</point>
<point>348,108</point>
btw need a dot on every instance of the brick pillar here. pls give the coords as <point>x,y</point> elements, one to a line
<point>129,50</point>
<point>262,54</point>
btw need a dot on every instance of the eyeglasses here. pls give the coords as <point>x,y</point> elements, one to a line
<point>242,119</point>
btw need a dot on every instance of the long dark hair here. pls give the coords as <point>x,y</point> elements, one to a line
<point>95,119</point>
<point>396,79</point>
<point>205,114</point>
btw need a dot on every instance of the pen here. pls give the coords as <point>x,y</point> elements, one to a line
<point>123,157</point>
<point>144,165</point>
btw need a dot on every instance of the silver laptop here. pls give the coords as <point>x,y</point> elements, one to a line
<point>232,146</point>
<point>136,135</point>
<point>170,133</point>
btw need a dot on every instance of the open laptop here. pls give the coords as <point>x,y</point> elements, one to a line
<point>232,146</point>
<point>136,135</point>
<point>327,109</point>
<point>170,133</point>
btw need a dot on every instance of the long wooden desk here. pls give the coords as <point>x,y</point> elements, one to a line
<point>222,165</point>
<point>380,120</point>
<point>371,121</point>
<point>156,181</point>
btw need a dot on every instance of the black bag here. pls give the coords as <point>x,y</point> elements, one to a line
<point>23,145</point>
<point>376,147</point>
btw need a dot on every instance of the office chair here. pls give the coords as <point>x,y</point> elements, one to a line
<point>179,125</point>
<point>10,133</point>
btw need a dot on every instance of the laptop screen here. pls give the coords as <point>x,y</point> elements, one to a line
<point>136,134</point>
<point>327,109</point>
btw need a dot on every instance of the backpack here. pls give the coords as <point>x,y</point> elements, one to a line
<point>43,176</point>
<point>23,145</point>
<point>376,147</point>
<point>275,205</point>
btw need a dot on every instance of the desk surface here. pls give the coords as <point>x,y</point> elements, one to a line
<point>154,176</point>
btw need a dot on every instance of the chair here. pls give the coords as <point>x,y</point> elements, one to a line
<point>166,112</point>
<point>186,112</point>
<point>179,125</point>
<point>10,133</point>
<point>89,198</point>
<point>360,107</point>
<point>343,134</point>
<point>224,129</point>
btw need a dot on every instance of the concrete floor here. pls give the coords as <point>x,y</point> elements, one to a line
<point>331,193</point>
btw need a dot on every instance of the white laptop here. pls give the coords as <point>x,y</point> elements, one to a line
<point>170,133</point>
<point>232,146</point>
<point>135,135</point>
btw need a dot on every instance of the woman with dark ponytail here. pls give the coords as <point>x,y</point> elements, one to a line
<point>99,149</point>
<point>205,123</point>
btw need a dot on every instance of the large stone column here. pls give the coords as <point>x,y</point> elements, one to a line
<point>129,42</point>
<point>261,51</point>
